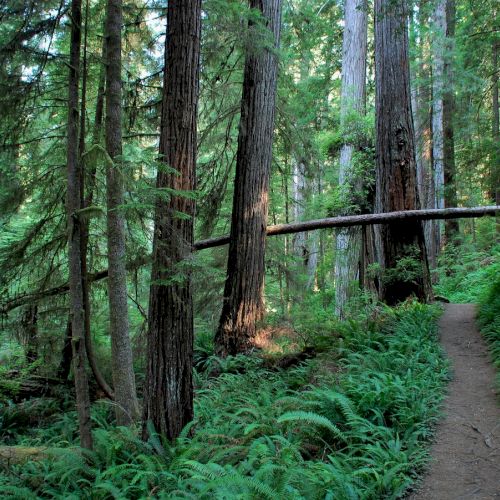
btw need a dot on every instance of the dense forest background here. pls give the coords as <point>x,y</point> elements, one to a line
<point>318,135</point>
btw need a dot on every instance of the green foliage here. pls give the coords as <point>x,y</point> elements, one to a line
<point>489,316</point>
<point>466,272</point>
<point>408,268</point>
<point>351,424</point>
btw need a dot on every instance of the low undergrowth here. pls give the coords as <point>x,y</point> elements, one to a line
<point>352,423</point>
<point>489,319</point>
<point>466,272</point>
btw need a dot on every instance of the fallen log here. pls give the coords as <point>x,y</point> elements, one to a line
<point>362,220</point>
<point>294,227</point>
<point>19,455</point>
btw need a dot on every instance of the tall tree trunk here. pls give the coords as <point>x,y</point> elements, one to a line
<point>438,90</point>
<point>422,118</point>
<point>86,201</point>
<point>168,398</point>
<point>127,407</point>
<point>450,189</point>
<point>495,168</point>
<point>396,181</point>
<point>353,97</point>
<point>73,205</point>
<point>243,305</point>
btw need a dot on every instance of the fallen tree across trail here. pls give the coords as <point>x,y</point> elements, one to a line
<point>293,227</point>
<point>362,220</point>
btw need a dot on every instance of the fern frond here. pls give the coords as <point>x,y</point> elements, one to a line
<point>312,418</point>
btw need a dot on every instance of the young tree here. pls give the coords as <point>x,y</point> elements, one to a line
<point>168,399</point>
<point>396,170</point>
<point>243,303</point>
<point>73,205</point>
<point>353,97</point>
<point>127,407</point>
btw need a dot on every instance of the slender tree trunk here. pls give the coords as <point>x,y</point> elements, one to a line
<point>396,168</point>
<point>29,324</point>
<point>73,205</point>
<point>287,245</point>
<point>127,407</point>
<point>450,189</point>
<point>353,97</point>
<point>66,353</point>
<point>242,305</point>
<point>86,201</point>
<point>168,399</point>
<point>299,188</point>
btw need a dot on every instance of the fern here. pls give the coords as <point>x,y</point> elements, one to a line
<point>312,418</point>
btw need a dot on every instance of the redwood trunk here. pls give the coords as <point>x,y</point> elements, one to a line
<point>73,204</point>
<point>243,304</point>
<point>168,400</point>
<point>396,179</point>
<point>353,96</point>
<point>127,407</point>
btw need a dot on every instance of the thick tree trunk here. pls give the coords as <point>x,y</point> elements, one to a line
<point>396,178</point>
<point>127,407</point>
<point>450,189</point>
<point>353,97</point>
<point>243,305</point>
<point>73,205</point>
<point>168,399</point>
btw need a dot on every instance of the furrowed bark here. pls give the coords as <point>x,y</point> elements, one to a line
<point>168,399</point>
<point>396,177</point>
<point>243,305</point>
<point>353,97</point>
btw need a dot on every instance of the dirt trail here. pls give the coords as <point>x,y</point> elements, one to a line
<point>466,453</point>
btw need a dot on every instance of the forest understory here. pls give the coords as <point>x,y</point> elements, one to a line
<point>227,232</point>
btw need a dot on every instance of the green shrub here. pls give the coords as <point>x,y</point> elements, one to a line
<point>489,316</point>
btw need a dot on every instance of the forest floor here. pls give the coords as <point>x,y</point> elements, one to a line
<point>466,453</point>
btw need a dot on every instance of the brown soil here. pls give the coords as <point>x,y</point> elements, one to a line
<point>466,454</point>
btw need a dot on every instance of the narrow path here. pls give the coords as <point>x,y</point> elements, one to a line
<point>466,453</point>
